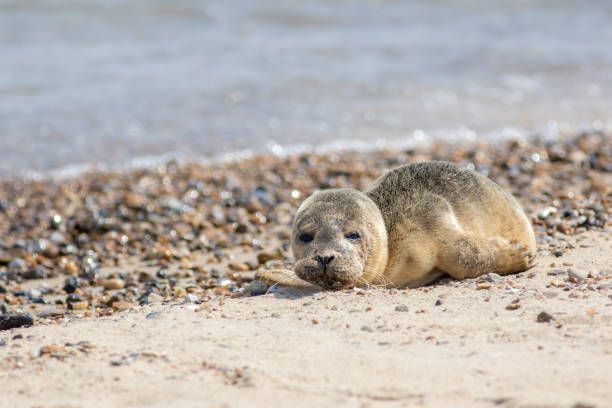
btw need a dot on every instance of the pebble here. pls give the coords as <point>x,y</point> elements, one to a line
<point>483,285</point>
<point>50,312</point>
<point>544,317</point>
<point>11,321</point>
<point>38,272</point>
<point>71,284</point>
<point>366,329</point>
<point>17,265</point>
<point>238,266</point>
<point>257,288</point>
<point>264,257</point>
<point>120,306</point>
<point>401,308</point>
<point>494,277</point>
<point>576,275</point>
<point>191,298</point>
<point>153,315</point>
<point>113,284</point>
<point>82,305</point>
<point>149,298</point>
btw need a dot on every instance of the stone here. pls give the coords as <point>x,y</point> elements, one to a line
<point>238,266</point>
<point>257,288</point>
<point>39,272</point>
<point>264,257</point>
<point>120,306</point>
<point>82,305</point>
<point>17,265</point>
<point>148,298</point>
<point>544,317</point>
<point>50,313</point>
<point>113,284</point>
<point>401,308</point>
<point>71,284</point>
<point>15,320</point>
<point>576,275</point>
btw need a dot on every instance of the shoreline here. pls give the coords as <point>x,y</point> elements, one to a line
<point>207,223</point>
<point>419,139</point>
<point>172,251</point>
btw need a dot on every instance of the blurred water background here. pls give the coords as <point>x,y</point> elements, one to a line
<point>127,83</point>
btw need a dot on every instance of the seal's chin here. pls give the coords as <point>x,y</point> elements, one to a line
<point>330,277</point>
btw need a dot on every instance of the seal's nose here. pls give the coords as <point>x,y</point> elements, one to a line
<point>324,260</point>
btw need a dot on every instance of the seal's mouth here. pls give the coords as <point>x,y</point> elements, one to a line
<point>326,276</point>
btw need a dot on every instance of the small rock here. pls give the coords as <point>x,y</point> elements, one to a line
<point>15,320</point>
<point>71,284</point>
<point>264,257</point>
<point>17,265</point>
<point>82,305</point>
<point>238,266</point>
<point>576,276</point>
<point>179,292</point>
<point>191,298</point>
<point>51,312</point>
<point>438,302</point>
<point>400,308</point>
<point>483,285</point>
<point>120,306</point>
<point>153,315</point>
<point>149,297</point>
<point>366,329</point>
<point>494,277</point>
<point>113,284</point>
<point>544,317</point>
<point>257,288</point>
<point>39,272</point>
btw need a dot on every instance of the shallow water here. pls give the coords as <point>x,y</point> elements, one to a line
<point>126,83</point>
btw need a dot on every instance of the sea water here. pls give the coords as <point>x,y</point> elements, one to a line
<point>121,83</point>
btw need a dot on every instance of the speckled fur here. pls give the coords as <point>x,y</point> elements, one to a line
<point>417,222</point>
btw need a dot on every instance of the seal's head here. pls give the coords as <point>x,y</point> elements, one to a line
<point>339,239</point>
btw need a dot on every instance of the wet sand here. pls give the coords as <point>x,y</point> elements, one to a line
<point>138,284</point>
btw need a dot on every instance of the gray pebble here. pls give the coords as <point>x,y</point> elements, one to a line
<point>366,329</point>
<point>153,314</point>
<point>257,288</point>
<point>401,308</point>
<point>16,320</point>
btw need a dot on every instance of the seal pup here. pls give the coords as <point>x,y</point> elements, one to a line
<point>413,225</point>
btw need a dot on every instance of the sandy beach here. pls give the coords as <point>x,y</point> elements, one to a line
<point>141,289</point>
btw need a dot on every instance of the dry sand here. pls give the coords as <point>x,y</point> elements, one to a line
<point>362,347</point>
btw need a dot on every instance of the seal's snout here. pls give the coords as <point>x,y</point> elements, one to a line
<point>324,260</point>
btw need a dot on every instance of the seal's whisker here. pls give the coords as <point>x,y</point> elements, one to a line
<point>293,275</point>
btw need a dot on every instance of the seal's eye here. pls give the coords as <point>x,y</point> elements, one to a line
<point>305,238</point>
<point>353,236</point>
